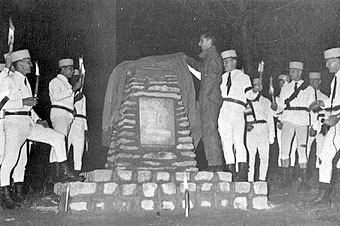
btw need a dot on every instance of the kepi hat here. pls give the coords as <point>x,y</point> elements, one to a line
<point>332,53</point>
<point>19,55</point>
<point>65,62</point>
<point>228,53</point>
<point>296,65</point>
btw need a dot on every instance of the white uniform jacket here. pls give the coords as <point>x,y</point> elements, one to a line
<point>304,99</point>
<point>241,88</point>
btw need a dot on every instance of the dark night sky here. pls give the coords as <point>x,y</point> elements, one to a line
<point>107,32</point>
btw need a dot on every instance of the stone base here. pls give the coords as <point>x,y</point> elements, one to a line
<point>140,191</point>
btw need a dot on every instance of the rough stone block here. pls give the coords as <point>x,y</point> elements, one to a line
<point>147,205</point>
<point>260,188</point>
<point>224,176</point>
<point>125,204</point>
<point>100,206</point>
<point>127,156</point>
<point>185,140</point>
<point>242,187</point>
<point>188,154</point>
<point>124,175</point>
<point>181,175</point>
<point>203,175</point>
<point>184,124</point>
<point>260,202</point>
<point>169,188</point>
<point>223,187</point>
<point>81,188</point>
<point>99,175</point>
<point>111,189</point>
<point>206,187</point>
<point>240,203</point>
<point>128,148</point>
<point>144,176</point>
<point>149,189</point>
<point>185,147</point>
<point>184,163</point>
<point>222,201</point>
<point>184,132</point>
<point>129,189</point>
<point>78,206</point>
<point>191,186</point>
<point>162,155</point>
<point>162,176</point>
<point>168,205</point>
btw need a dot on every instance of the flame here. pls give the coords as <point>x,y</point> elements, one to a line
<point>37,72</point>
<point>261,66</point>
<point>11,30</point>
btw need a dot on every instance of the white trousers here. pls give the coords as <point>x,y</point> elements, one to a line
<point>2,141</point>
<point>257,140</point>
<point>330,147</point>
<point>61,124</point>
<point>288,132</point>
<point>293,148</point>
<point>319,139</point>
<point>17,129</point>
<point>76,138</point>
<point>231,125</point>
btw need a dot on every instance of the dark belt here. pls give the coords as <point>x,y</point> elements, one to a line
<point>257,122</point>
<point>297,108</point>
<point>26,113</point>
<point>228,99</point>
<point>335,108</point>
<point>72,111</point>
<point>80,116</point>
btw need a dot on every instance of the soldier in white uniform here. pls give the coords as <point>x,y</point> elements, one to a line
<point>315,131</point>
<point>22,123</point>
<point>260,133</point>
<point>236,88</point>
<point>331,143</point>
<point>284,80</point>
<point>78,131</point>
<point>293,102</point>
<point>19,169</point>
<point>62,101</point>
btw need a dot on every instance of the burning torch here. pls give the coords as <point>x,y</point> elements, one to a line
<point>11,30</point>
<point>271,88</point>
<point>260,70</point>
<point>186,195</point>
<point>81,72</point>
<point>37,74</point>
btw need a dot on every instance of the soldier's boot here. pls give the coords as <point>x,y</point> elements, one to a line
<point>231,169</point>
<point>323,199</point>
<point>65,175</point>
<point>17,193</point>
<point>242,174</point>
<point>7,201</point>
<point>303,182</point>
<point>285,183</point>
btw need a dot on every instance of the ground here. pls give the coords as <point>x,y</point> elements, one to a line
<point>286,209</point>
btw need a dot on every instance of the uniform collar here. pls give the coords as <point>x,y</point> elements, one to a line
<point>62,77</point>
<point>207,52</point>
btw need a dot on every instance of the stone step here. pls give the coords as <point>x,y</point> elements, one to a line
<point>139,191</point>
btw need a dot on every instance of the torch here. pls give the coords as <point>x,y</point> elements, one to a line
<point>271,88</point>
<point>81,72</point>
<point>37,74</point>
<point>260,70</point>
<point>186,194</point>
<point>11,30</point>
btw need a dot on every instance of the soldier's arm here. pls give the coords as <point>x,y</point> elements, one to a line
<point>56,91</point>
<point>196,64</point>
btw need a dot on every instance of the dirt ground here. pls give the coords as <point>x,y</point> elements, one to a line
<point>287,209</point>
